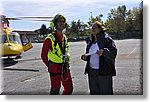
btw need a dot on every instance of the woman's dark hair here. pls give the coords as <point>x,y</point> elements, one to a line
<point>92,38</point>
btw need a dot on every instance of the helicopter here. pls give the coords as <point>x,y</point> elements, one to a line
<point>12,43</point>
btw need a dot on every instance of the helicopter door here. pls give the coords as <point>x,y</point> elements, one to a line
<point>26,42</point>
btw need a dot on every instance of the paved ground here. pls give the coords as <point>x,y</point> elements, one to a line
<point>29,75</point>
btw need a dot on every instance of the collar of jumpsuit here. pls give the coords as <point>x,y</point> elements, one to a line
<point>59,36</point>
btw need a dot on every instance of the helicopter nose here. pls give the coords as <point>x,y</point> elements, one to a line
<point>12,49</point>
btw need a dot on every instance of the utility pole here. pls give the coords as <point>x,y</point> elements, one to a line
<point>91,18</point>
<point>91,15</point>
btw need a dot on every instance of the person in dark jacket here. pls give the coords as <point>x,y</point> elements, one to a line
<point>100,55</point>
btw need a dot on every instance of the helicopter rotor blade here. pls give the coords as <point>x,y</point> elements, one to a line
<point>31,18</point>
<point>22,18</point>
<point>38,20</point>
<point>34,17</point>
<point>13,19</point>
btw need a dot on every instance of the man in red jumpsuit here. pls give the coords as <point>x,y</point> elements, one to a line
<point>55,69</point>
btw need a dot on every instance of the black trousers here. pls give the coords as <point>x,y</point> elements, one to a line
<point>100,85</point>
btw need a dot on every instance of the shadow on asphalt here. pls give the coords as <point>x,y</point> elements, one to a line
<point>10,62</point>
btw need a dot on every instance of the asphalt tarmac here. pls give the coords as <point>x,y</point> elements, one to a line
<point>29,76</point>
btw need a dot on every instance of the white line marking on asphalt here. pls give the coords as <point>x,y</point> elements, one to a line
<point>131,52</point>
<point>27,80</point>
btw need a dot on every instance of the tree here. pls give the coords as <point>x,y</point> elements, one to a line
<point>73,28</point>
<point>138,18</point>
<point>130,22</point>
<point>43,30</point>
<point>117,19</point>
<point>93,19</point>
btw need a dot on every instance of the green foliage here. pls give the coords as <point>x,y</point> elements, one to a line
<point>119,22</point>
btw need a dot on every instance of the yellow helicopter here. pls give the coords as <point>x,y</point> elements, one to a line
<point>12,43</point>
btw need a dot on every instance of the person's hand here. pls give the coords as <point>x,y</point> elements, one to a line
<point>84,57</point>
<point>100,52</point>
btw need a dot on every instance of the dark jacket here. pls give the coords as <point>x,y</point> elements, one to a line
<point>107,60</point>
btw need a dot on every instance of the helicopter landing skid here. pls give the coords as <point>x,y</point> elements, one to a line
<point>6,62</point>
<point>10,59</point>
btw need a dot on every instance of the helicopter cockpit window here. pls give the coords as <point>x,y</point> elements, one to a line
<point>14,39</point>
<point>25,39</point>
<point>3,39</point>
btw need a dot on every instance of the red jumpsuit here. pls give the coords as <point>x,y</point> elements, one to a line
<point>56,79</point>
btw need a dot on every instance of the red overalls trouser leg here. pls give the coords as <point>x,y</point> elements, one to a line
<point>56,84</point>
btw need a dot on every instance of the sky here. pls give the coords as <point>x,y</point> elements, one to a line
<point>71,9</point>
